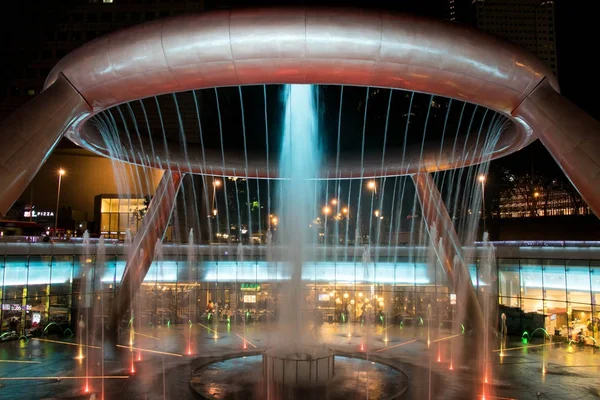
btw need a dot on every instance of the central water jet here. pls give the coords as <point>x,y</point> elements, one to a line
<point>300,162</point>
<point>292,361</point>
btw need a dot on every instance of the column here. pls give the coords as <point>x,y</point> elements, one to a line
<point>435,214</point>
<point>152,228</point>
<point>28,136</point>
<point>571,136</point>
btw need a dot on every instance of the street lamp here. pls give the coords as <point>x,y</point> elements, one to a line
<point>61,173</point>
<point>345,210</point>
<point>482,180</point>
<point>274,220</point>
<point>372,186</point>
<point>326,210</point>
<point>216,184</point>
<point>377,213</point>
<point>333,202</point>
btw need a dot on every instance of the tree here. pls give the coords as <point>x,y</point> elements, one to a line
<point>137,214</point>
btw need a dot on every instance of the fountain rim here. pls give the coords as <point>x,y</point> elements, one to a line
<point>269,353</point>
<point>286,46</point>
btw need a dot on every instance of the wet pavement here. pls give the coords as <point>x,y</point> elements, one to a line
<point>162,368</point>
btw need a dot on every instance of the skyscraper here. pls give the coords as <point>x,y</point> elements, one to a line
<point>451,10</point>
<point>528,23</point>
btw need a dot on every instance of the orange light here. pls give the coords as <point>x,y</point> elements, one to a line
<point>150,351</point>
<point>345,210</point>
<point>148,336</point>
<point>326,210</point>
<point>446,338</point>
<point>62,172</point>
<point>66,343</point>
<point>217,182</point>
<point>334,202</point>
<point>481,178</point>
<point>49,378</point>
<point>246,341</point>
<point>397,345</point>
<point>372,185</point>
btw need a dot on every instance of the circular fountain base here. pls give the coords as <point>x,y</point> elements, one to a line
<point>298,366</point>
<point>242,377</point>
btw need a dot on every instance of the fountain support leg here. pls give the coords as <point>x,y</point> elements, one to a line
<point>153,228</point>
<point>436,214</point>
<point>571,136</point>
<point>28,136</point>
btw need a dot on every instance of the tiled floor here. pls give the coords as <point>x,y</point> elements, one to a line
<point>570,372</point>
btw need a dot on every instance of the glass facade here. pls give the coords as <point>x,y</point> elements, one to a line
<point>118,215</point>
<point>559,294</point>
<point>562,292</point>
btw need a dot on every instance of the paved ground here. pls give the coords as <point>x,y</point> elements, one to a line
<point>570,372</point>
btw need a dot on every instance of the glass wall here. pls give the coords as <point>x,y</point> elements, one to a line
<point>560,295</point>
<point>118,215</point>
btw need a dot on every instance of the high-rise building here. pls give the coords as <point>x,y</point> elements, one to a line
<point>528,23</point>
<point>451,10</point>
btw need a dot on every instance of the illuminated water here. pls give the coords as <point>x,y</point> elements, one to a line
<point>300,163</point>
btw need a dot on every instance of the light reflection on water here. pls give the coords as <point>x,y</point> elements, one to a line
<point>240,378</point>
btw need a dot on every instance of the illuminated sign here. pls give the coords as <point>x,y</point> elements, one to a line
<point>249,298</point>
<point>15,307</point>
<point>254,287</point>
<point>452,298</point>
<point>35,214</point>
<point>324,297</point>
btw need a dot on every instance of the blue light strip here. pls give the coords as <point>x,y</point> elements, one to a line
<point>40,273</point>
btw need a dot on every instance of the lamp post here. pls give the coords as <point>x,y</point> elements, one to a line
<point>482,180</point>
<point>61,172</point>
<point>372,186</point>
<point>216,184</point>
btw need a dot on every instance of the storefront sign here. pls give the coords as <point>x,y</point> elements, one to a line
<point>15,307</point>
<point>253,287</point>
<point>452,298</point>
<point>35,214</point>
<point>324,297</point>
<point>249,298</point>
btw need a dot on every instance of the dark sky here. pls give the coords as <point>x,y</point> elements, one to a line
<point>575,34</point>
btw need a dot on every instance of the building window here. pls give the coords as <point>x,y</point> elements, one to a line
<point>119,215</point>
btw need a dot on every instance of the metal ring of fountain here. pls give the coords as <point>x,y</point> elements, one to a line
<point>300,366</point>
<point>241,376</point>
<point>247,48</point>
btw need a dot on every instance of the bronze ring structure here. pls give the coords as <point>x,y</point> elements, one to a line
<point>302,46</point>
<point>349,47</point>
